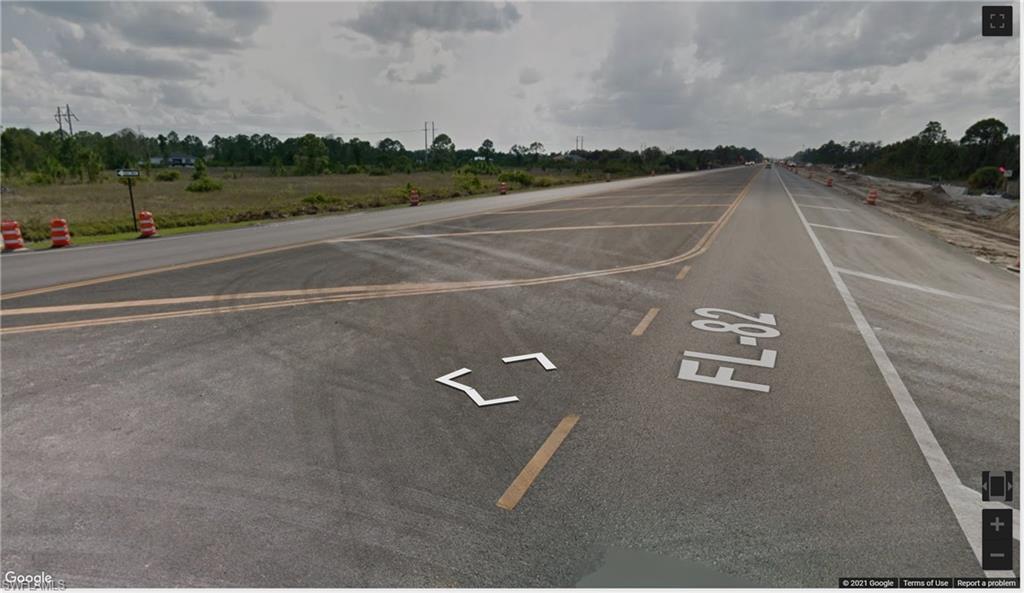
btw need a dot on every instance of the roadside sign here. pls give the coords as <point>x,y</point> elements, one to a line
<point>127,172</point>
<point>1007,172</point>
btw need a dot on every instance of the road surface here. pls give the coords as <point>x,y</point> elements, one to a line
<point>185,413</point>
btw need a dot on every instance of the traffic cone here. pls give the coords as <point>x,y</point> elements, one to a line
<point>147,225</point>
<point>872,197</point>
<point>60,236</point>
<point>12,236</point>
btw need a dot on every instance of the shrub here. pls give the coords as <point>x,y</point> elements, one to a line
<point>200,170</point>
<point>481,168</point>
<point>467,182</point>
<point>377,171</point>
<point>985,179</point>
<point>167,176</point>
<point>317,198</point>
<point>353,170</point>
<point>205,184</point>
<point>521,177</point>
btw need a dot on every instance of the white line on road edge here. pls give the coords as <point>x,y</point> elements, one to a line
<point>966,508</point>
<point>839,228</point>
<point>928,289</point>
<point>824,207</point>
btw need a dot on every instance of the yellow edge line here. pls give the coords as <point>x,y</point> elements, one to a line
<point>646,321</point>
<point>702,246</point>
<point>515,492</point>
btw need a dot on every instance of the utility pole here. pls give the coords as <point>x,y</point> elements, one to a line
<point>426,151</point>
<point>68,115</point>
<point>431,133</point>
<point>60,120</point>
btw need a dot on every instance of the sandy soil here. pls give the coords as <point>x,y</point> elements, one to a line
<point>988,226</point>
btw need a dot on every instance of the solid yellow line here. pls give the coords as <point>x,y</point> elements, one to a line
<point>516,231</point>
<point>215,298</point>
<point>613,208</point>
<point>646,321</point>
<point>702,245</point>
<point>682,273</point>
<point>515,492</point>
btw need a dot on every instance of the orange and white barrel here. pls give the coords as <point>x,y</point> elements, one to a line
<point>414,197</point>
<point>828,182</point>
<point>60,235</point>
<point>872,197</point>
<point>503,188</point>
<point>147,225</point>
<point>13,240</point>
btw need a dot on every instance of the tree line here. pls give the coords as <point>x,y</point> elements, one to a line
<point>52,157</point>
<point>930,154</point>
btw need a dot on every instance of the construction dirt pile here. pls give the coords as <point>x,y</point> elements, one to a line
<point>988,226</point>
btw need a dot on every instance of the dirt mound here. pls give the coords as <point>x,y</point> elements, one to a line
<point>931,196</point>
<point>1007,221</point>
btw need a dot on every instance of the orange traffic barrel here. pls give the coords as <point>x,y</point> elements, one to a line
<point>828,182</point>
<point>60,236</point>
<point>147,225</point>
<point>872,197</point>
<point>414,197</point>
<point>13,240</point>
<point>503,188</point>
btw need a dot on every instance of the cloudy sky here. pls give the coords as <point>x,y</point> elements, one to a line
<point>776,76</point>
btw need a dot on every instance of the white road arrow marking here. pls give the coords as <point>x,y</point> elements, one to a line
<point>473,393</point>
<point>543,360</point>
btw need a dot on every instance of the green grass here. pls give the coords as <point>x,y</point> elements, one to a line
<point>100,212</point>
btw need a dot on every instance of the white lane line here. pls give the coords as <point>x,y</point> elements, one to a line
<point>824,207</point>
<point>966,509</point>
<point>928,289</point>
<point>839,228</point>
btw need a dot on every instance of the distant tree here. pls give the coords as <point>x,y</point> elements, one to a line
<point>200,170</point>
<point>311,158</point>
<point>487,150</point>
<point>987,132</point>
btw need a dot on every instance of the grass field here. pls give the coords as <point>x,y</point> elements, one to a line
<point>101,211</point>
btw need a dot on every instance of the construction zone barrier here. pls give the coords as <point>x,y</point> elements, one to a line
<point>13,240</point>
<point>147,225</point>
<point>60,236</point>
<point>828,182</point>
<point>414,197</point>
<point>503,188</point>
<point>872,197</point>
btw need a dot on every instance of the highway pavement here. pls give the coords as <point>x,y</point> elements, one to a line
<point>747,380</point>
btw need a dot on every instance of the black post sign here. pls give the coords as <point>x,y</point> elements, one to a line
<point>129,173</point>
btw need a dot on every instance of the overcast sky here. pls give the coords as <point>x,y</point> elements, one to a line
<point>775,76</point>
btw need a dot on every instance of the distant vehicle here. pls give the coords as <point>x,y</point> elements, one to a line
<point>750,163</point>
<point>768,166</point>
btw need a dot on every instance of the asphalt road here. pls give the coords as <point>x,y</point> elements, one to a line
<point>275,419</point>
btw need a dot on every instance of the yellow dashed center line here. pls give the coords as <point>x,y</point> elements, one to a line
<point>646,321</point>
<point>529,473</point>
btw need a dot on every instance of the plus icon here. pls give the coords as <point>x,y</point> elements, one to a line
<point>997,524</point>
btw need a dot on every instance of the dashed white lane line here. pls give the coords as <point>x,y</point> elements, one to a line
<point>824,207</point>
<point>929,290</point>
<point>966,508</point>
<point>839,228</point>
